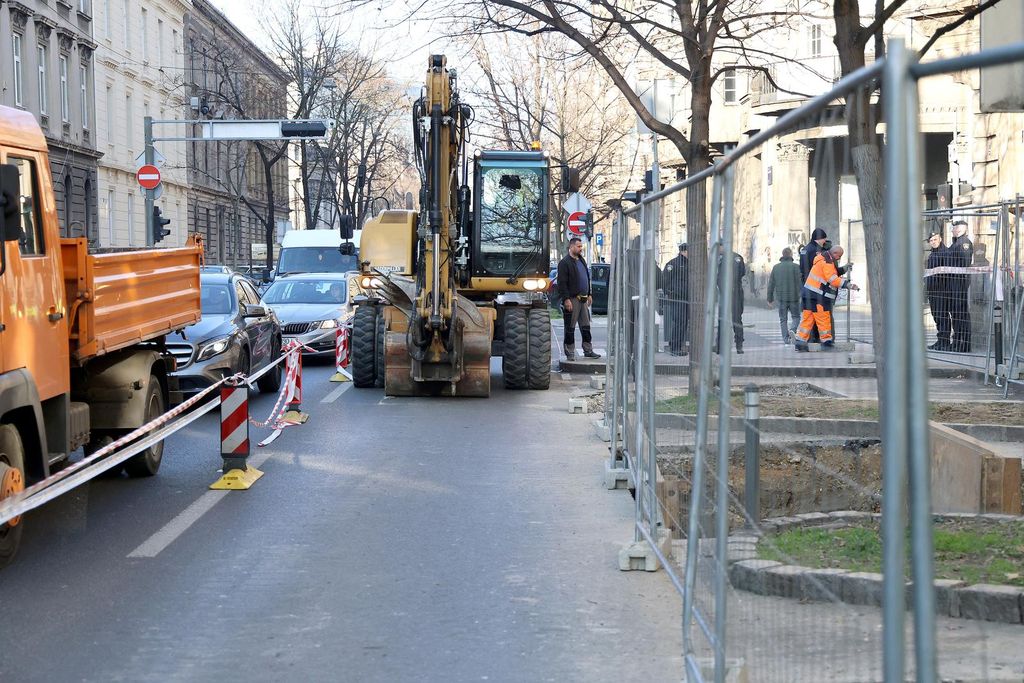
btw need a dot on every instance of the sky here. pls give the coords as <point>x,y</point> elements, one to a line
<point>378,28</point>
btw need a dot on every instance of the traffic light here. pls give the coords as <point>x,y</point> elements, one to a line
<point>588,225</point>
<point>303,129</point>
<point>159,232</point>
<point>571,180</point>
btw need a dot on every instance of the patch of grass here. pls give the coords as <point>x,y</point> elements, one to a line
<point>970,551</point>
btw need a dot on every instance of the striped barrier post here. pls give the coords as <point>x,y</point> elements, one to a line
<point>295,401</point>
<point>234,426</point>
<point>341,355</point>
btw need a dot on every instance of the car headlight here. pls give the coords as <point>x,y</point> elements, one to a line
<point>213,348</point>
<point>535,284</point>
<point>328,324</point>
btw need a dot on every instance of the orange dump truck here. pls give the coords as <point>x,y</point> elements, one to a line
<point>82,359</point>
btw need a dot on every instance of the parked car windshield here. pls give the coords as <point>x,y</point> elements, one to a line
<point>306,292</point>
<point>316,260</point>
<point>215,299</point>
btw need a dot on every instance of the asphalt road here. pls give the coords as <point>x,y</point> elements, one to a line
<point>389,540</point>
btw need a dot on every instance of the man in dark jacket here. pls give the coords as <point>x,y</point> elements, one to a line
<point>784,286</point>
<point>574,295</point>
<point>739,269</point>
<point>961,255</point>
<point>810,250</point>
<point>937,287</point>
<point>674,284</point>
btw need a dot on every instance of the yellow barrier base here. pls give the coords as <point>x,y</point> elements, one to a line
<point>340,377</point>
<point>237,480</point>
<point>295,416</point>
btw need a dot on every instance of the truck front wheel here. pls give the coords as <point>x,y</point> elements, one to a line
<point>147,463</point>
<point>12,481</point>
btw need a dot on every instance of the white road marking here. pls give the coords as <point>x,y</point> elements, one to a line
<point>336,394</point>
<point>170,532</point>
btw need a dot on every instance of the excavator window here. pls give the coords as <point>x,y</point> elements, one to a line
<point>511,221</point>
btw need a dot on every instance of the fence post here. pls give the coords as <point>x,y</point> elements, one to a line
<point>616,469</point>
<point>752,455</point>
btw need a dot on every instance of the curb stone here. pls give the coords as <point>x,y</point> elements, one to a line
<point>861,588</point>
<point>991,603</point>
<point>748,575</point>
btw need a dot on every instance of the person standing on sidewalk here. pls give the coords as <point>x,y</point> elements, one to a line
<point>817,297</point>
<point>961,255</point>
<point>574,293</point>
<point>739,269</point>
<point>937,287</point>
<point>784,288</point>
<point>674,283</point>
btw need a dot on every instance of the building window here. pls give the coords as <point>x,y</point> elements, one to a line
<point>83,81</point>
<point>41,49</point>
<point>83,6</point>
<point>110,217</point>
<point>19,90</point>
<point>127,25</point>
<point>160,41</point>
<point>131,219</point>
<point>129,127</point>
<point>110,115</point>
<point>815,40</point>
<point>174,47</point>
<point>65,104</point>
<point>729,85</point>
<point>106,17</point>
<point>145,34</point>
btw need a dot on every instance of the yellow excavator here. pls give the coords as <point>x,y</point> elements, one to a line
<point>444,289</point>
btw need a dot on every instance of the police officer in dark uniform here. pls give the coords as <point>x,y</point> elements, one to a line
<point>961,255</point>
<point>739,269</point>
<point>937,287</point>
<point>674,284</point>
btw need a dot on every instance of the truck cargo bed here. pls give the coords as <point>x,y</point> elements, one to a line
<point>124,298</point>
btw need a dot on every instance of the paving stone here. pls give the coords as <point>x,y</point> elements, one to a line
<point>823,585</point>
<point>748,575</point>
<point>785,581</point>
<point>991,603</point>
<point>862,588</point>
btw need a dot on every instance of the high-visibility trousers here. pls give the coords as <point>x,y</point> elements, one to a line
<point>820,318</point>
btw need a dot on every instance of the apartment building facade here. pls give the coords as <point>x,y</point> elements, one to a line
<point>139,73</point>
<point>47,64</point>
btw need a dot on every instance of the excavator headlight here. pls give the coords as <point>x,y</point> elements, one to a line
<point>535,285</point>
<point>369,282</point>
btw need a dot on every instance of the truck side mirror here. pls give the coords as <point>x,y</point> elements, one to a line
<point>10,210</point>
<point>348,224</point>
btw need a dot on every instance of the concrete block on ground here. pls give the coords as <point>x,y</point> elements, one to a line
<point>639,556</point>
<point>577,404</point>
<point>823,585</point>
<point>615,477</point>
<point>748,575</point>
<point>597,382</point>
<point>813,346</point>
<point>861,588</point>
<point>862,358</point>
<point>991,603</point>
<point>813,518</point>
<point>947,596</point>
<point>1002,369</point>
<point>603,430</point>
<point>785,581</point>
<point>845,346</point>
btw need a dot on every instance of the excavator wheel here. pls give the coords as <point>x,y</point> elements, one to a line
<point>378,375</point>
<point>364,346</point>
<point>539,370</point>
<point>516,353</point>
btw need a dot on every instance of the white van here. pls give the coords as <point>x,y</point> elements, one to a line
<point>315,251</point>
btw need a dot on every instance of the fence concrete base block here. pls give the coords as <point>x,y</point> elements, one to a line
<point>785,581</point>
<point>749,575</point>
<point>823,585</point>
<point>577,404</point>
<point>597,382</point>
<point>862,358</point>
<point>991,603</point>
<point>862,588</point>
<point>639,556</point>
<point>604,432</point>
<point>1002,369</point>
<point>615,477</point>
<point>736,670</point>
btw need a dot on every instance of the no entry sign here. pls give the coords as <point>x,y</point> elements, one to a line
<point>148,176</point>
<point>577,222</point>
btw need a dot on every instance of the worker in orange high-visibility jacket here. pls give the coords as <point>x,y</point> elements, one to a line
<point>817,296</point>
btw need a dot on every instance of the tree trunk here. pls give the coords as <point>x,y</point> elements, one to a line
<point>697,159</point>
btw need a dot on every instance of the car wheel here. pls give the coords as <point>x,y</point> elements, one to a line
<point>12,481</point>
<point>146,463</point>
<point>271,380</point>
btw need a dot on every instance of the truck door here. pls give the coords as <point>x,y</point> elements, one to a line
<point>35,336</point>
